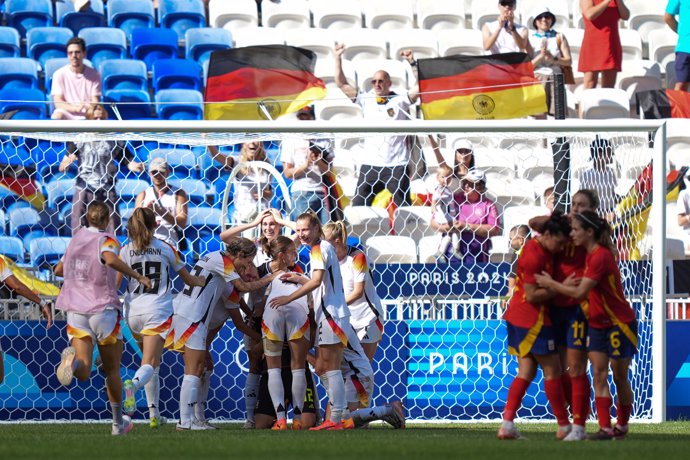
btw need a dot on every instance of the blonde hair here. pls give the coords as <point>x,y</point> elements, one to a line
<point>279,244</point>
<point>337,230</point>
<point>312,219</point>
<point>92,110</point>
<point>259,156</point>
<point>241,247</point>
<point>141,227</point>
<point>98,214</point>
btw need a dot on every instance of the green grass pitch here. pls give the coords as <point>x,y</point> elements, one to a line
<point>74,441</point>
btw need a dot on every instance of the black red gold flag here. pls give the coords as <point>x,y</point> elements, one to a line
<point>664,103</point>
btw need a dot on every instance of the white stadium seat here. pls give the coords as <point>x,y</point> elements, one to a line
<point>637,76</point>
<point>366,221</point>
<point>422,42</point>
<point>604,103</point>
<point>385,15</point>
<point>461,41</point>
<point>254,36</point>
<point>632,45</point>
<point>325,70</point>
<point>329,14</point>
<point>363,44</point>
<point>233,15</point>
<point>391,249</point>
<point>645,17</point>
<point>440,15</point>
<point>428,249</point>
<point>662,46</point>
<point>286,15</point>
<point>413,221</point>
<point>483,11</point>
<point>320,41</point>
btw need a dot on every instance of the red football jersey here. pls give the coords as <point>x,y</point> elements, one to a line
<point>570,260</point>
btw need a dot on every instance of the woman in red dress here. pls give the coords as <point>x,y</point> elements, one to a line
<point>601,49</point>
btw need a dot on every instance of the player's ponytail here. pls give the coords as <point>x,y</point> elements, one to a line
<point>336,230</point>
<point>600,227</point>
<point>141,227</point>
<point>279,244</point>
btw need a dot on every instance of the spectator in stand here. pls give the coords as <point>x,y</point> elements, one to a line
<point>550,50</point>
<point>681,26</point>
<point>548,199</point>
<point>168,203</point>
<point>601,177</point>
<point>683,205</point>
<point>387,157</point>
<point>76,87</point>
<point>463,152</point>
<point>444,210</point>
<point>97,172</point>
<point>477,219</point>
<point>504,35</point>
<point>601,50</point>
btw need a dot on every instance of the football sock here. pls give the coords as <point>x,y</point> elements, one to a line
<point>554,393</point>
<point>580,404</point>
<point>336,395</point>
<point>363,416</point>
<point>251,391</point>
<point>516,392</point>
<point>188,397</point>
<point>116,410</point>
<point>152,390</point>
<point>299,391</point>
<point>202,396</point>
<point>142,376</point>
<point>603,405</point>
<point>623,411</point>
<point>277,392</point>
<point>566,381</point>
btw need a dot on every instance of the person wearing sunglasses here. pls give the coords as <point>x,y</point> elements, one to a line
<point>504,35</point>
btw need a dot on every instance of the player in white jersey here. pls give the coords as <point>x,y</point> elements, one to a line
<point>148,312</point>
<point>360,293</point>
<point>288,323</point>
<point>193,310</point>
<point>270,224</point>
<point>330,311</point>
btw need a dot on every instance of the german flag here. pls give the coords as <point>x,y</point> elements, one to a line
<point>18,181</point>
<point>276,77</point>
<point>495,87</point>
<point>664,103</point>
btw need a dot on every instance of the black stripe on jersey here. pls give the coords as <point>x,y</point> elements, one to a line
<point>371,305</point>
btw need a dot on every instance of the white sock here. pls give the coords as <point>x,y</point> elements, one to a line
<point>152,390</point>
<point>116,410</point>
<point>277,392</point>
<point>142,376</point>
<point>299,391</point>
<point>336,395</point>
<point>444,244</point>
<point>455,241</point>
<point>188,397</point>
<point>202,398</point>
<point>251,392</point>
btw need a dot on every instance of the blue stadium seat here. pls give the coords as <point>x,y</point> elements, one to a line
<point>12,247</point>
<point>179,104</point>
<point>3,223</point>
<point>67,16</point>
<point>181,161</point>
<point>197,191</point>
<point>24,15</point>
<point>124,74</point>
<point>47,251</point>
<point>203,225</point>
<point>181,15</point>
<point>149,45</point>
<point>18,73</point>
<point>51,65</point>
<point>59,192</point>
<point>132,104</point>
<point>103,43</point>
<point>201,42</point>
<point>32,105</point>
<point>128,189</point>
<point>176,74</point>
<point>43,43</point>
<point>130,15</point>
<point>9,42</point>
<point>47,156</point>
<point>23,220</point>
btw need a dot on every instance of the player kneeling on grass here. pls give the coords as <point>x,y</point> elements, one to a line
<point>89,296</point>
<point>193,309</point>
<point>148,312</point>
<point>530,336</point>
<point>612,334</point>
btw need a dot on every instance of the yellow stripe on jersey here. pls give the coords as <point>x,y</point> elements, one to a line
<point>74,333</point>
<point>337,331</point>
<point>361,392</point>
<point>269,334</point>
<point>234,297</point>
<point>528,342</point>
<point>228,266</point>
<point>110,244</point>
<point>161,328</point>
<point>316,258</point>
<point>359,263</point>
<point>300,333</point>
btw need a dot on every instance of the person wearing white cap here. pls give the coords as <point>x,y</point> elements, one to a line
<point>168,203</point>
<point>477,219</point>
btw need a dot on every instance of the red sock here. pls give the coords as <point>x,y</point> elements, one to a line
<point>581,404</point>
<point>623,411</point>
<point>554,393</point>
<point>567,382</point>
<point>516,392</point>
<point>603,405</point>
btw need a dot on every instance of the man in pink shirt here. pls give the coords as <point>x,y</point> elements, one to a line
<point>75,86</point>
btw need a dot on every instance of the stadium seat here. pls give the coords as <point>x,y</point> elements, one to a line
<point>59,192</point>
<point>495,162</point>
<point>286,15</point>
<point>413,221</point>
<point>517,192</point>
<point>130,15</point>
<point>645,17</point>
<point>367,221</point>
<point>123,74</point>
<point>3,224</point>
<point>558,8</point>
<point>366,68</point>
<point>320,41</point>
<point>435,15</point>
<point>427,247</point>
<point>423,42</point>
<point>391,249</point>
<point>325,70</point>
<point>12,247</point>
<point>233,15</point>
<point>51,65</point>
<point>662,46</point>
<point>253,36</point>
<point>18,73</point>
<point>22,221</point>
<point>48,251</point>
<point>203,228</point>
<point>603,103</point>
<point>180,15</point>
<point>337,109</point>
<point>176,74</point>
<point>632,45</point>
<point>9,42</point>
<point>128,189</point>
<point>149,45</point>
<point>24,15</point>
<point>179,104</point>
<point>181,161</point>
<point>363,44</point>
<point>132,104</point>
<point>198,192</point>
<point>637,76</point>
<point>483,12</point>
<point>104,43</point>
<point>32,105</point>
<point>201,42</point>
<point>43,43</point>
<point>500,249</point>
<point>67,16</point>
<point>336,15</point>
<point>388,16</point>
<point>518,215</point>
<point>461,41</point>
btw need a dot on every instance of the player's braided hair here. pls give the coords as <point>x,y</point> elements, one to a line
<point>98,214</point>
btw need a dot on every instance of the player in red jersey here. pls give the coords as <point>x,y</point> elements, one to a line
<point>612,334</point>
<point>530,336</point>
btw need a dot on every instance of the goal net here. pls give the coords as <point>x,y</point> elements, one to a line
<point>444,351</point>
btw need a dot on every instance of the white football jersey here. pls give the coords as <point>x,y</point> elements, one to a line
<point>354,269</point>
<point>154,262</point>
<point>230,300</point>
<point>279,288</point>
<point>196,303</point>
<point>329,297</point>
